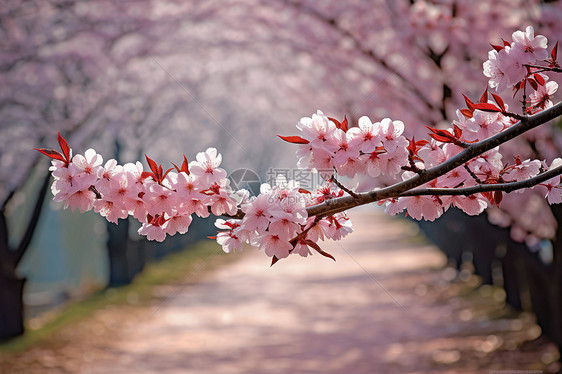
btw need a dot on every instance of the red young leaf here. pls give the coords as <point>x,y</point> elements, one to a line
<point>412,147</point>
<point>273,261</point>
<point>533,83</point>
<point>467,113</point>
<point>506,43</point>
<point>166,173</point>
<point>486,107</point>
<point>484,97</point>
<point>152,165</point>
<point>498,196</point>
<point>302,190</point>
<point>469,103</point>
<point>517,87</point>
<point>315,246</point>
<point>146,174</point>
<point>64,146</point>
<point>335,121</point>
<point>185,165</point>
<point>539,79</point>
<point>440,138</point>
<point>51,153</point>
<point>457,131</point>
<point>294,139</point>
<point>499,100</point>
<point>489,195</point>
<point>340,125</point>
<point>554,52</point>
<point>443,136</point>
<point>344,124</point>
<point>497,47</point>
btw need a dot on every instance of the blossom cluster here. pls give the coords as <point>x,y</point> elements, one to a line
<point>163,201</point>
<point>371,148</point>
<point>277,221</point>
<point>514,64</point>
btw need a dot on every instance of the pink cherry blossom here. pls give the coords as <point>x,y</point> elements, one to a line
<point>257,213</point>
<point>346,157</point>
<point>178,224</point>
<point>284,228</point>
<point>471,205</point>
<point>301,249</point>
<point>88,166</point>
<point>159,199</point>
<point>83,200</point>
<point>390,134</point>
<point>108,209</point>
<point>528,47</point>
<point>365,136</point>
<point>551,189</point>
<point>524,170</point>
<point>319,131</point>
<point>222,203</point>
<point>273,245</point>
<point>153,232</point>
<point>541,97</point>
<point>483,125</point>
<point>206,168</point>
<point>229,241</point>
<point>493,69</point>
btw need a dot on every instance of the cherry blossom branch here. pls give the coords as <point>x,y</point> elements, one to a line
<point>341,204</point>
<point>504,187</point>
<point>545,68</point>
<point>342,187</point>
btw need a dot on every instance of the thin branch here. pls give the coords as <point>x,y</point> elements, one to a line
<point>505,187</point>
<point>518,117</point>
<point>476,179</point>
<point>341,186</point>
<point>544,68</point>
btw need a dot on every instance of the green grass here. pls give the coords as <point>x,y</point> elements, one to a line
<point>182,267</point>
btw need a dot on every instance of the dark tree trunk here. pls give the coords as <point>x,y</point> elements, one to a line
<point>512,272</point>
<point>125,257</point>
<point>11,286</point>
<point>11,306</point>
<point>539,278</point>
<point>556,286</point>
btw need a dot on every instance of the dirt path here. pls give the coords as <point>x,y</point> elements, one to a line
<point>382,307</point>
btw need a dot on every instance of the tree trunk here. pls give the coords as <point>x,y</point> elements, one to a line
<point>556,285</point>
<point>11,286</point>
<point>125,260</point>
<point>11,306</point>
